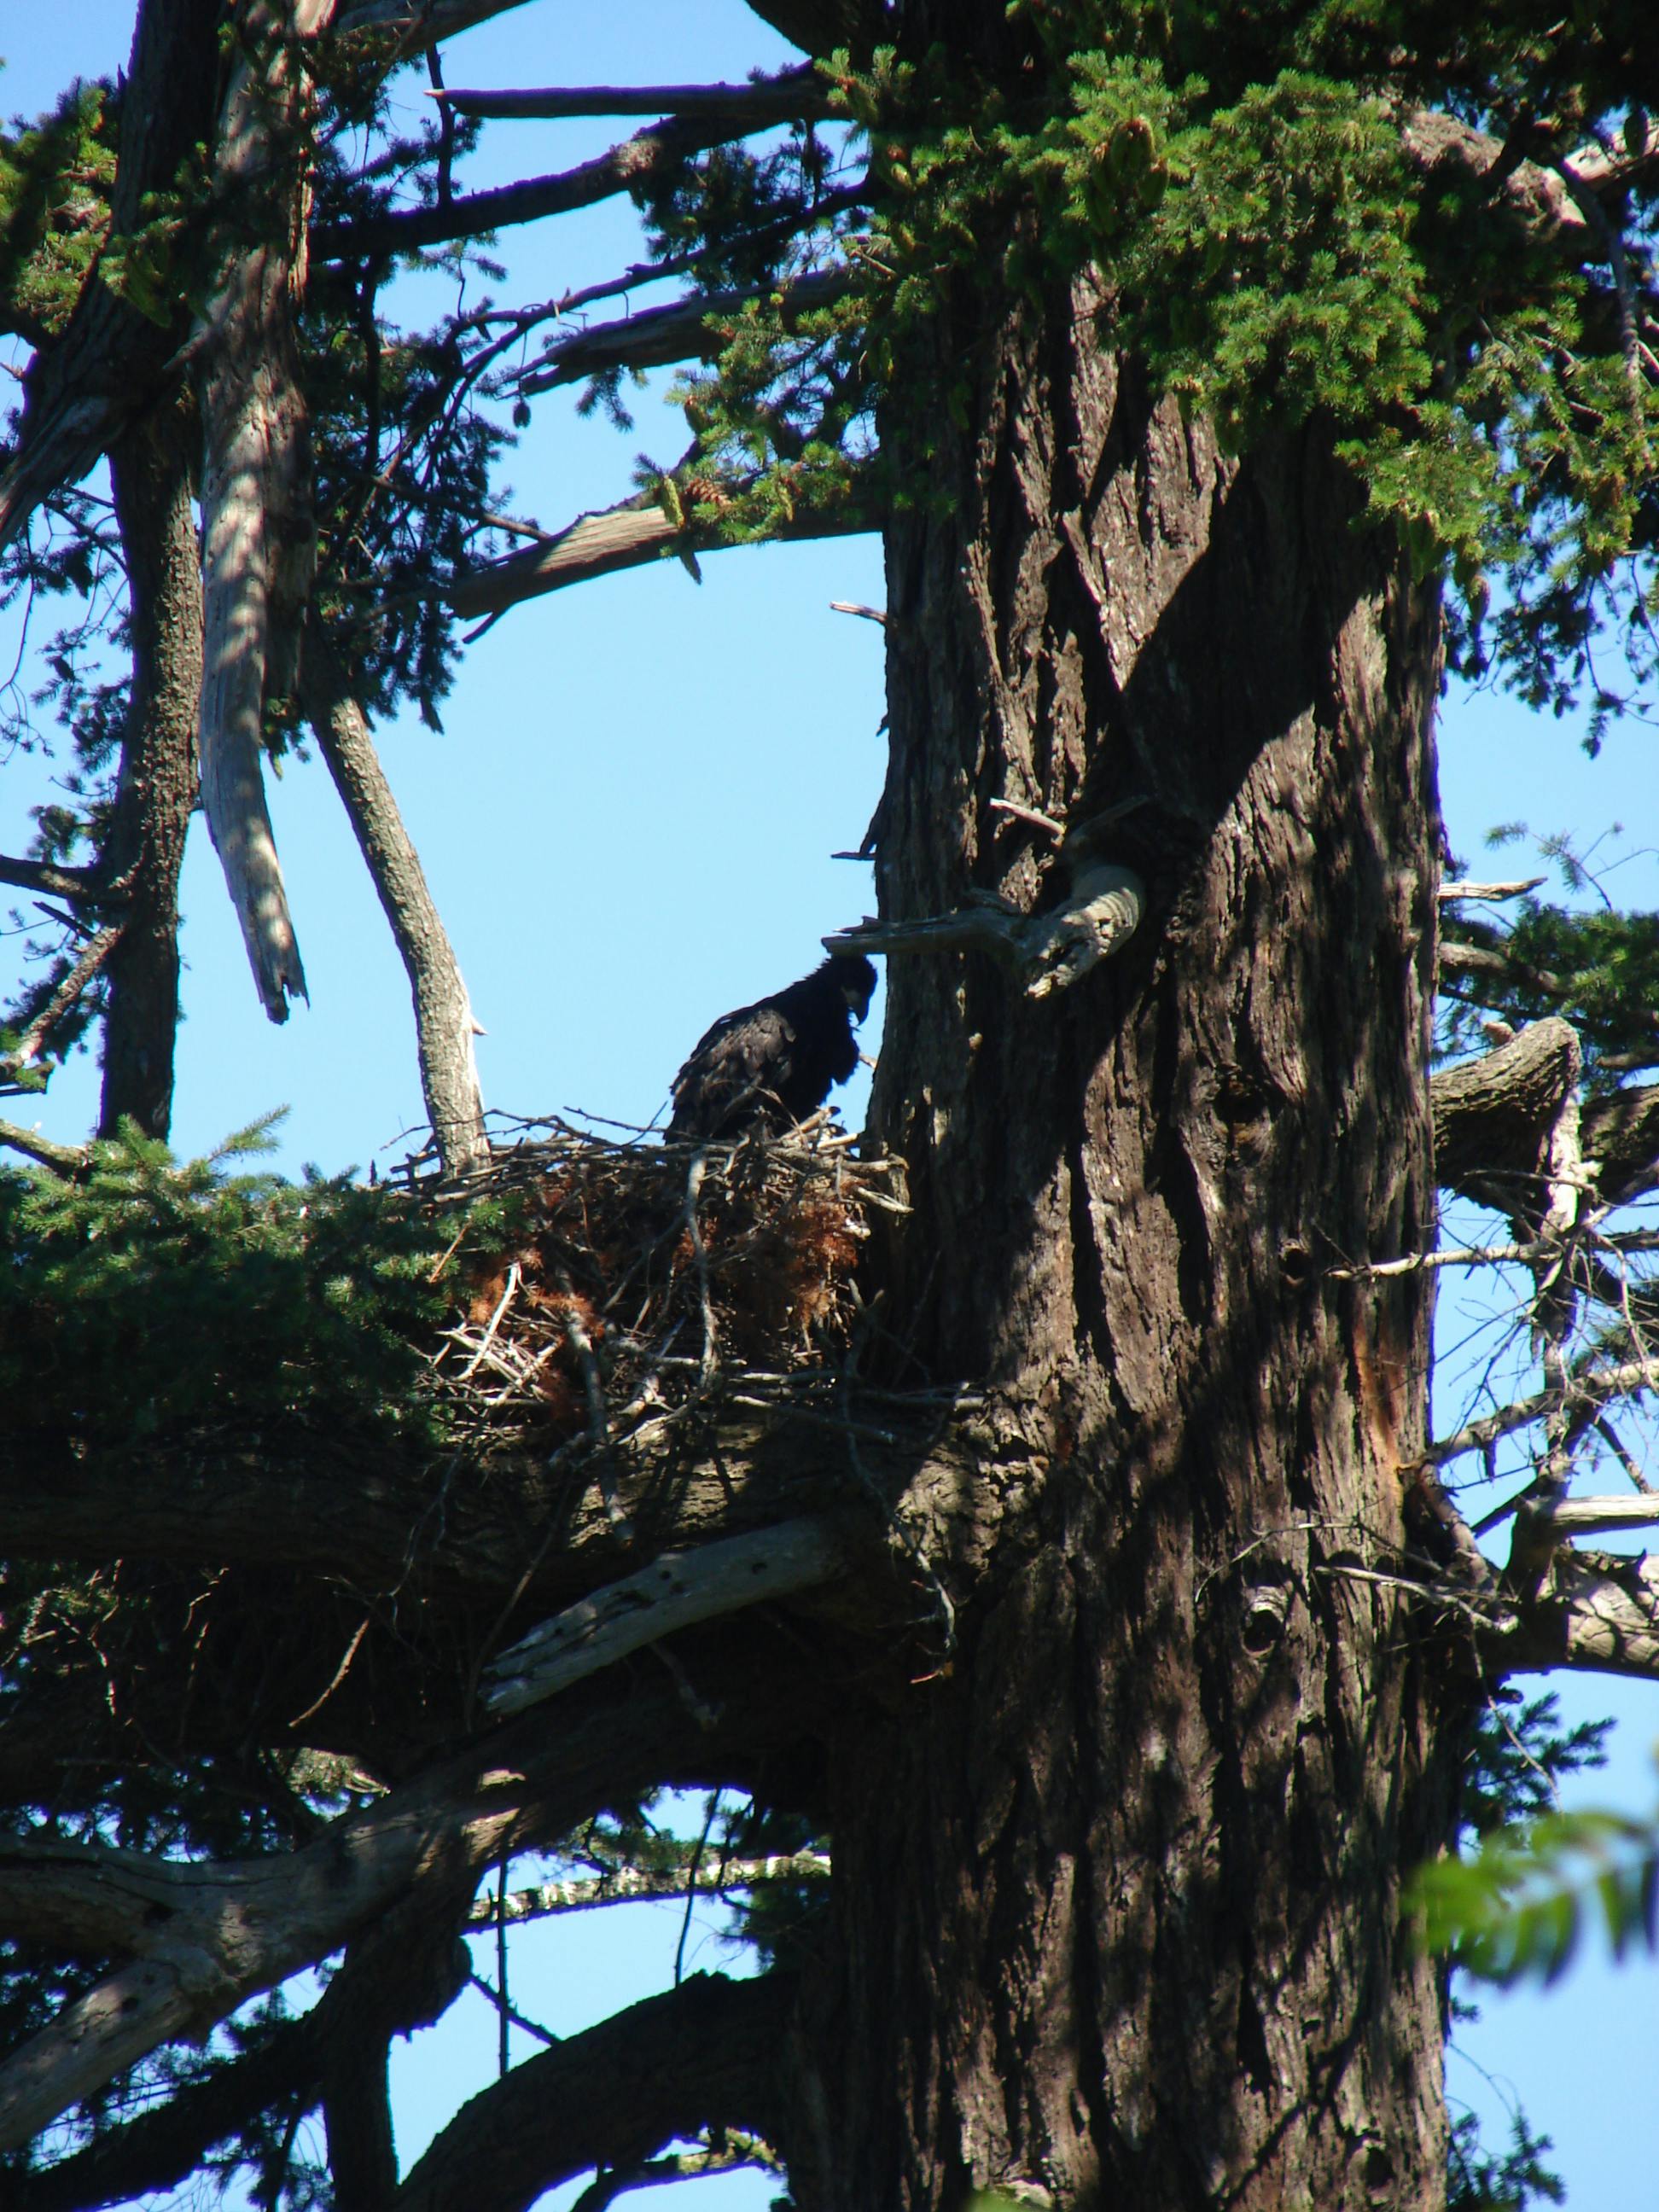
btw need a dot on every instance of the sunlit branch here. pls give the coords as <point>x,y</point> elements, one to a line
<point>625,1885</point>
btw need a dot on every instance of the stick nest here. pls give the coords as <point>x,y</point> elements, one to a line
<point>622,1284</point>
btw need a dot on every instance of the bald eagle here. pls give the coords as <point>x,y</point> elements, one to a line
<point>771,1064</point>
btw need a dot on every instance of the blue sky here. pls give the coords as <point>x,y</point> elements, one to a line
<point>627,822</point>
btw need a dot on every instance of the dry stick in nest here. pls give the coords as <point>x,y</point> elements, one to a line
<point>599,1428</point>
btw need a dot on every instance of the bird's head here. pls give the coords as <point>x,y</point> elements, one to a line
<point>856,978</point>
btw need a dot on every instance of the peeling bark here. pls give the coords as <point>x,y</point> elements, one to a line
<point>443,1013</point>
<point>257,524</point>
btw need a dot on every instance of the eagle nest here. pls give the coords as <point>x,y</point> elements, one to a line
<point>630,1286</point>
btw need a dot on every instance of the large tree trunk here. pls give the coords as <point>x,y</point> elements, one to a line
<point>1118,1891</point>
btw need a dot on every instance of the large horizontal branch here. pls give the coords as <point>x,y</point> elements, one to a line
<point>673,1592</point>
<point>1597,1611</point>
<point>471,215</point>
<point>680,330</point>
<point>81,885</point>
<point>331,1509</point>
<point>705,1873</point>
<point>797,93</point>
<point>629,535</point>
<point>214,1935</point>
<point>703,2055</point>
<point>1534,198</point>
<point>398,1980</point>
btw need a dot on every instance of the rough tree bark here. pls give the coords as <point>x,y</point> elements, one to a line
<point>150,469</point>
<point>1117,1893</point>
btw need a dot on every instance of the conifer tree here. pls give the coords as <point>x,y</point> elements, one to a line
<point>1035,1523</point>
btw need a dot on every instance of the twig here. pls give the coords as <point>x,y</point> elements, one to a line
<point>1031,814</point>
<point>693,1187</point>
<point>97,950</point>
<point>507,1299</point>
<point>854,607</point>
<point>340,1674</point>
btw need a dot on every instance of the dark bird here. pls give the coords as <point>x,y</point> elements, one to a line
<point>771,1065</point>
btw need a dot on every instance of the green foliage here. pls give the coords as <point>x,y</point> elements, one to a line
<point>56,176</point>
<point>1519,1757</point>
<point>1272,254</point>
<point>1597,967</point>
<point>1275,277</point>
<point>1518,1905</point>
<point>1479,2180</point>
<point>147,1297</point>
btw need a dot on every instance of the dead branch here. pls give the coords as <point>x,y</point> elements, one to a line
<point>1495,894</point>
<point>418,23</point>
<point>627,535</point>
<point>674,1592</point>
<point>623,167</point>
<point>443,1013</point>
<point>797,95</point>
<point>66,1159</point>
<point>67,996</point>
<point>1597,1387</point>
<point>258,527</point>
<point>680,330</point>
<point>1494,1116</point>
<point>87,387</point>
<point>1047,951</point>
<point>82,885</point>
<point>231,1929</point>
<point>627,1884</point>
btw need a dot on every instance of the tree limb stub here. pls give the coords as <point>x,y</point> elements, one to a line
<point>231,1929</point>
<point>258,529</point>
<point>1493,1114</point>
<point>674,1592</point>
<point>443,1013</point>
<point>1048,951</point>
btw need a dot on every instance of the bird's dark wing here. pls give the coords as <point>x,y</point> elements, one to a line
<point>735,1074</point>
